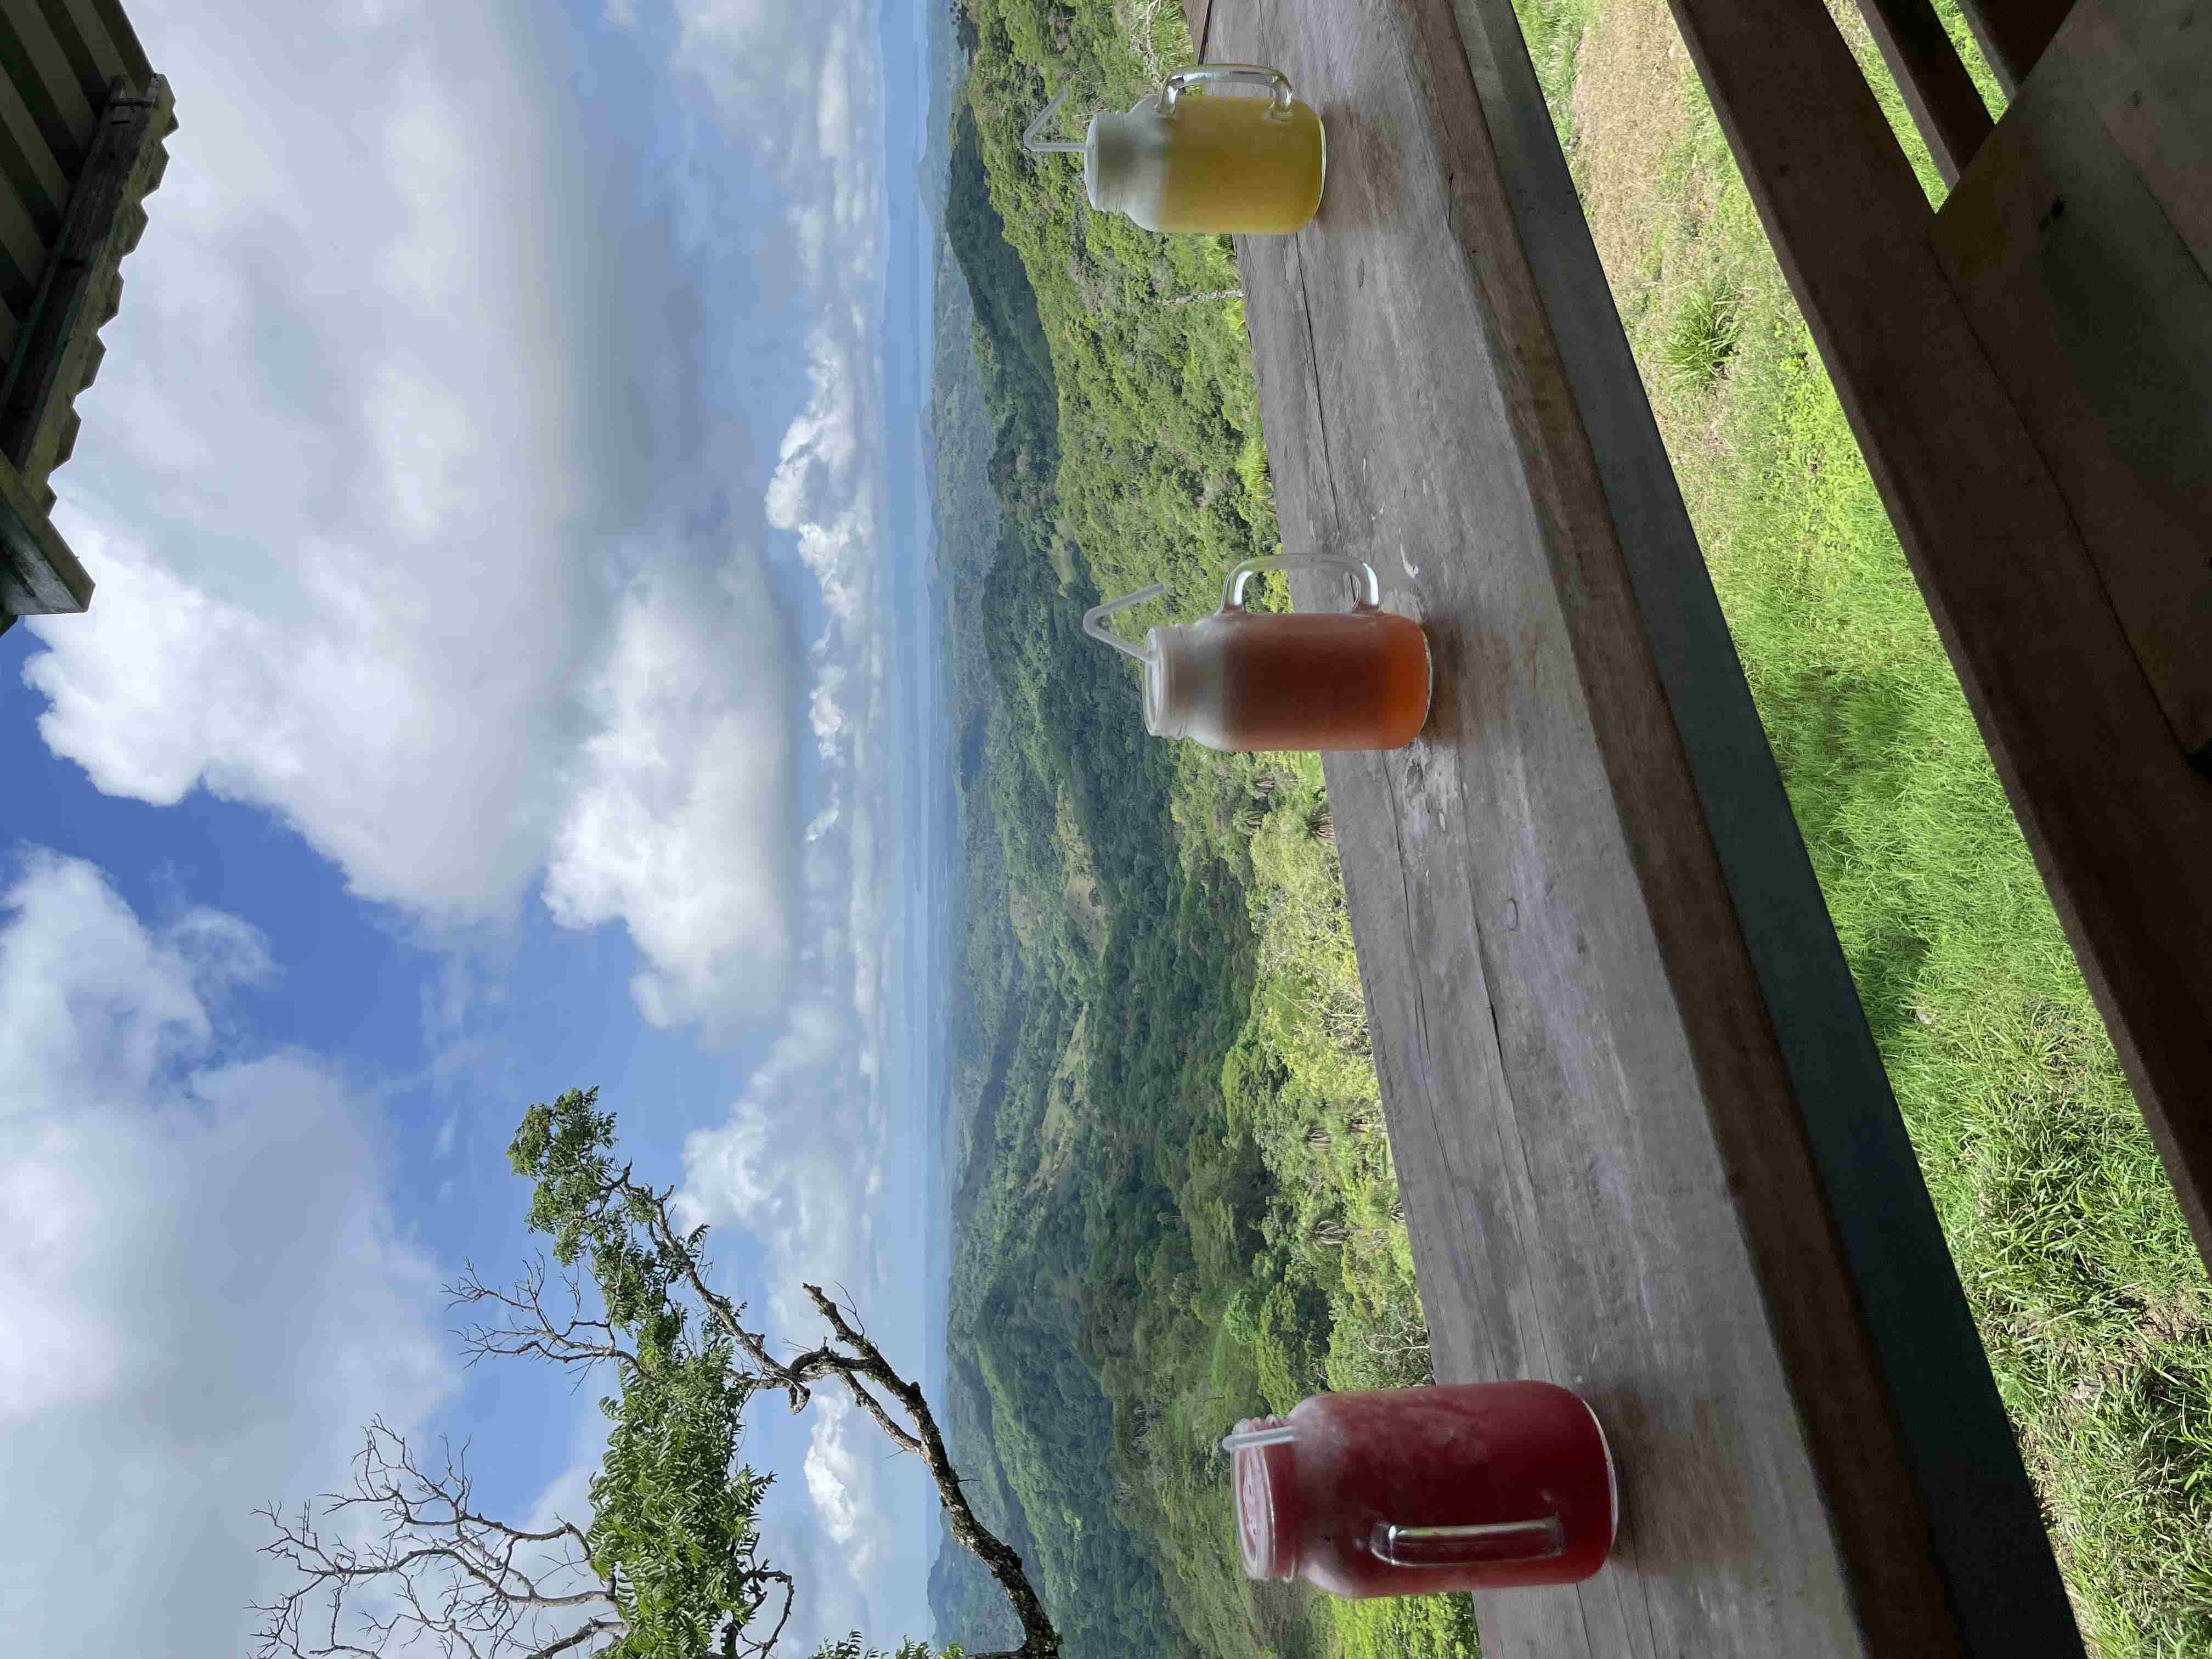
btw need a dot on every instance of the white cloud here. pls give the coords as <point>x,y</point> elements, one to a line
<point>799,1163</point>
<point>679,823</point>
<point>797,84</point>
<point>202,1292</point>
<point>794,1160</point>
<point>762,61</point>
<point>827,481</point>
<point>379,482</point>
<point>346,485</point>
<point>389,542</point>
<point>372,493</point>
<point>840,1479</point>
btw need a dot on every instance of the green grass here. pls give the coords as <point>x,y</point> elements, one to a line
<point>1702,338</point>
<point>2089,1294</point>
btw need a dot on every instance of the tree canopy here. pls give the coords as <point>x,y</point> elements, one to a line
<point>669,1564</point>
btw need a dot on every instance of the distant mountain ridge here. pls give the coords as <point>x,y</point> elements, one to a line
<point>1171,1198</point>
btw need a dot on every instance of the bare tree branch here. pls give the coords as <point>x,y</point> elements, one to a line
<point>1040,1639</point>
<point>520,1325</point>
<point>402,1556</point>
<point>403,1561</point>
<point>854,1356</point>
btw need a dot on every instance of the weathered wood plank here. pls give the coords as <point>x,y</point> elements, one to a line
<point>2099,321</point>
<point>2114,814</point>
<point>61,338</point>
<point>2012,33</point>
<point>39,574</point>
<point>2143,64</point>
<point>1615,1163</point>
<point>1946,105</point>
<point>1955,1438</point>
<point>1200,14</point>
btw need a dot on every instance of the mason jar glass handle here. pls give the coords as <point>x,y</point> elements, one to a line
<point>1275,79</point>
<point>1232,592</point>
<point>1461,1547</point>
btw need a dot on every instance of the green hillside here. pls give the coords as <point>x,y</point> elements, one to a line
<point>1175,1202</point>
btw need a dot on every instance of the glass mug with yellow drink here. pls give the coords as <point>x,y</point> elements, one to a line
<point>1205,163</point>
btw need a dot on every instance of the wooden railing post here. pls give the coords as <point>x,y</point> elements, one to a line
<point>1946,105</point>
<point>2013,33</point>
<point>1646,1144</point>
<point>2117,820</point>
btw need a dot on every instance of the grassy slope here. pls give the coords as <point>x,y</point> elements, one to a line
<point>2091,1300</point>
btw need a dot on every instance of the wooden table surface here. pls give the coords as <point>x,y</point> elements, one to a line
<point>1646,1145</point>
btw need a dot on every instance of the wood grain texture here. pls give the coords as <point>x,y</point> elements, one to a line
<point>1200,14</point>
<point>2098,319</point>
<point>2114,814</point>
<point>2143,64</point>
<point>1617,1166</point>
<point>39,574</point>
<point>1983,1520</point>
<point>1946,106</point>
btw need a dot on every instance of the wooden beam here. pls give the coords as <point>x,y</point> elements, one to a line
<point>1646,1147</point>
<point>2012,33</point>
<point>39,574</point>
<point>1946,105</point>
<point>1983,1518</point>
<point>2098,319</point>
<point>59,346</point>
<point>2143,67</point>
<point>2116,818</point>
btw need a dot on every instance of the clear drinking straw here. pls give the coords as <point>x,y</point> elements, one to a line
<point>1281,1435</point>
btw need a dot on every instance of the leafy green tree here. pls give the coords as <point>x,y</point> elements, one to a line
<point>670,1566</point>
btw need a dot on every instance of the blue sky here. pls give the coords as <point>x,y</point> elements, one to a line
<point>490,689</point>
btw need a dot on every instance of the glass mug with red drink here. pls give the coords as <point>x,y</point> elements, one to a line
<point>1410,1492</point>
<point>1243,679</point>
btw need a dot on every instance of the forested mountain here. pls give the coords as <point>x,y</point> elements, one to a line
<point>1174,1200</point>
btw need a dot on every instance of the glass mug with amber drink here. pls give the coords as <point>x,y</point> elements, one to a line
<point>1225,166</point>
<point>1243,679</point>
<point>1411,1492</point>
